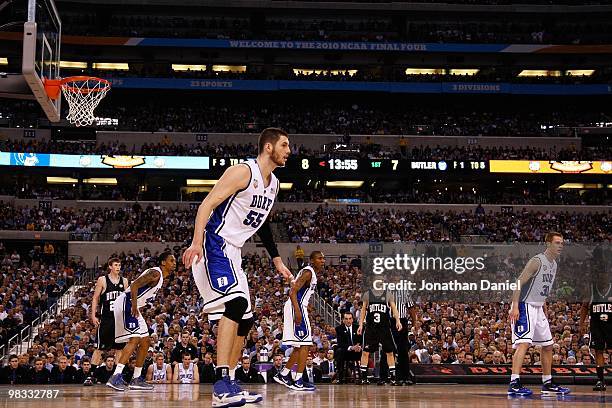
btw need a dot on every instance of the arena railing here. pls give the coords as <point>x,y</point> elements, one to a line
<point>27,333</point>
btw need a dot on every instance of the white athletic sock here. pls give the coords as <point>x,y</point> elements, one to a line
<point>119,368</point>
<point>546,378</point>
<point>514,377</point>
<point>232,373</point>
<point>293,375</point>
<point>137,372</point>
<point>285,372</point>
<point>298,376</point>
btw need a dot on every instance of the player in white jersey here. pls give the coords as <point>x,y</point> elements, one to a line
<point>296,324</point>
<point>235,209</point>
<point>186,372</point>
<point>528,316</point>
<point>131,327</point>
<point>159,372</point>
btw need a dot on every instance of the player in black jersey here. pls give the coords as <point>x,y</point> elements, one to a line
<point>376,311</point>
<point>108,288</point>
<point>600,310</point>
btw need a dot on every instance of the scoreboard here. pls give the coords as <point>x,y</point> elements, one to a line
<point>369,166</point>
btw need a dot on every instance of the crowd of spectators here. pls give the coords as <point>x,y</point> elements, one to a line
<point>391,116</point>
<point>326,224</point>
<point>380,29</point>
<point>371,148</point>
<point>155,223</point>
<point>30,282</point>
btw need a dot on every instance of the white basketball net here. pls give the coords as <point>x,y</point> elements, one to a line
<point>83,96</point>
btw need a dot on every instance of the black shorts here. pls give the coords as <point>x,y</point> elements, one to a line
<point>374,336</point>
<point>106,335</point>
<point>601,335</point>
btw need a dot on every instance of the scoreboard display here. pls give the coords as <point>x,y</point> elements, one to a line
<point>387,166</point>
<point>369,166</point>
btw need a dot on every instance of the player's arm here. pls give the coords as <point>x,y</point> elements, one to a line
<point>233,179</point>
<point>175,375</point>
<point>362,315</point>
<point>530,269</point>
<point>100,284</point>
<point>168,379</point>
<point>413,315</point>
<point>395,314</point>
<point>196,375</point>
<point>149,277</point>
<point>149,377</point>
<point>297,285</point>
<point>267,239</point>
<point>584,312</point>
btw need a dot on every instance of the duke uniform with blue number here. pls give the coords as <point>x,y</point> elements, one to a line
<point>532,325</point>
<point>299,335</point>
<point>220,277</point>
<point>126,325</point>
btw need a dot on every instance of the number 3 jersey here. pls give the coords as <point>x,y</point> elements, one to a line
<point>537,288</point>
<point>240,216</point>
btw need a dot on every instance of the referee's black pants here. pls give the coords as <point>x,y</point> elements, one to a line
<point>402,367</point>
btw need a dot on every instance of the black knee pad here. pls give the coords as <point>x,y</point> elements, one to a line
<point>244,327</point>
<point>235,309</point>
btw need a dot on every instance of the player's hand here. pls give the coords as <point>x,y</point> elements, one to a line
<point>357,348</point>
<point>282,269</point>
<point>95,320</point>
<point>398,326</point>
<point>359,330</point>
<point>298,318</point>
<point>513,314</point>
<point>192,254</point>
<point>135,311</point>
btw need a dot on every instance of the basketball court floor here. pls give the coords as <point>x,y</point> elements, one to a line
<point>371,396</point>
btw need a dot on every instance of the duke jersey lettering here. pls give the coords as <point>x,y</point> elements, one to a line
<point>538,287</point>
<point>108,297</point>
<point>378,312</point>
<point>185,376</point>
<point>160,374</point>
<point>601,303</point>
<point>240,216</point>
<point>148,292</point>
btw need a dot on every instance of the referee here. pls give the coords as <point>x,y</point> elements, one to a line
<point>406,308</point>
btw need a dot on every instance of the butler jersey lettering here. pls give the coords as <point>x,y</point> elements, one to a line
<point>378,311</point>
<point>108,297</point>
<point>601,302</point>
<point>240,216</point>
<point>538,287</point>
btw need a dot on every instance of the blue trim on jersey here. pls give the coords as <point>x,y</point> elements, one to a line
<point>302,327</point>
<point>130,323</point>
<point>521,327</point>
<point>219,269</point>
<point>301,293</point>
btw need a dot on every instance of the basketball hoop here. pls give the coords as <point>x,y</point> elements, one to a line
<point>83,94</point>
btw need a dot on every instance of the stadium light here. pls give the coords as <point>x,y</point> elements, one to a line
<point>110,181</point>
<point>118,66</point>
<point>539,72</point>
<point>200,183</point>
<point>344,184</point>
<point>61,180</point>
<point>229,68</point>
<point>3,61</point>
<point>73,64</point>
<point>424,71</point>
<point>580,72</point>
<point>470,71</point>
<point>286,186</point>
<point>183,67</point>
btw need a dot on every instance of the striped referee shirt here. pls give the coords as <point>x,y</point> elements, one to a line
<point>403,301</point>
